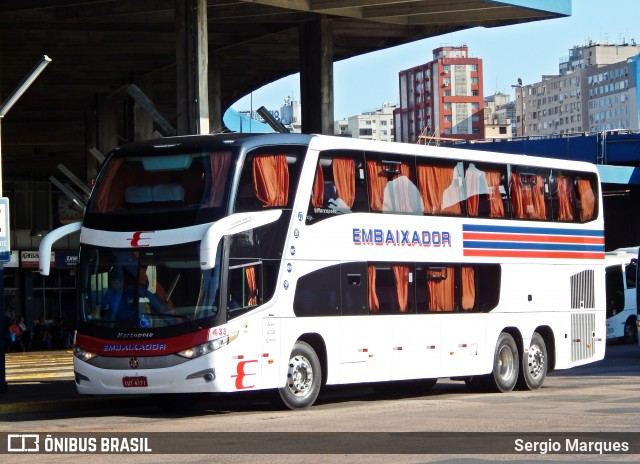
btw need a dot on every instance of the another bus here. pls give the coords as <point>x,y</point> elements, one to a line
<point>227,263</point>
<point>622,313</point>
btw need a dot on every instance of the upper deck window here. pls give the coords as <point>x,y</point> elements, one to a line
<point>269,179</point>
<point>165,182</point>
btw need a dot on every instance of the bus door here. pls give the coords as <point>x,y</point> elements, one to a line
<point>365,351</point>
<point>416,334</point>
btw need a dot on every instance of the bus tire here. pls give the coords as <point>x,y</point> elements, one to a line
<point>505,364</point>
<point>304,376</point>
<point>534,366</point>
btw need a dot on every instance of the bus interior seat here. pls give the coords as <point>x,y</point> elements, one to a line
<point>168,192</point>
<point>136,194</point>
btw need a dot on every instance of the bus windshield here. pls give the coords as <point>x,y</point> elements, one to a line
<point>163,182</point>
<point>135,289</point>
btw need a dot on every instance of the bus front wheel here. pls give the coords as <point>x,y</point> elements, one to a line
<point>304,377</point>
<point>505,364</point>
<point>534,364</point>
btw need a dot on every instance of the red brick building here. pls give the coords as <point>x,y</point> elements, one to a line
<point>442,98</point>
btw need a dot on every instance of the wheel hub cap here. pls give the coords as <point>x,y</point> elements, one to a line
<point>299,376</point>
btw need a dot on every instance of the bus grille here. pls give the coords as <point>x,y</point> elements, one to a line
<point>582,290</point>
<point>582,336</point>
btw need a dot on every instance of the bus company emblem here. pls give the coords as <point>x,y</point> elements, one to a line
<point>134,363</point>
<point>137,240</point>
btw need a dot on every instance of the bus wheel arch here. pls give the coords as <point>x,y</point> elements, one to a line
<point>304,376</point>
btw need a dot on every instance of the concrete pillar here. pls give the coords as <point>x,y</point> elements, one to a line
<point>215,94</point>
<point>316,76</point>
<point>192,50</point>
<point>106,124</point>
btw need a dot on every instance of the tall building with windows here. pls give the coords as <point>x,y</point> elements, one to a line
<point>595,90</point>
<point>370,125</point>
<point>442,98</point>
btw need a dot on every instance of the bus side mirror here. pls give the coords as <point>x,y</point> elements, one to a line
<point>239,222</point>
<point>44,250</point>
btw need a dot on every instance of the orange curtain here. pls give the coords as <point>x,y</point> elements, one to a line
<point>432,183</point>
<point>219,170</point>
<point>401,275</point>
<point>250,272</point>
<point>540,207</point>
<point>271,179</point>
<point>441,291</point>
<point>317,197</point>
<point>102,202</point>
<point>528,201</point>
<point>472,205</point>
<point>587,200</point>
<point>474,179</point>
<point>344,176</point>
<point>377,181</point>
<point>565,199</point>
<point>495,197</point>
<point>374,304</point>
<point>468,288</point>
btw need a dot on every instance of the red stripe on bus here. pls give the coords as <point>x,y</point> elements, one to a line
<point>533,254</point>
<point>532,238</point>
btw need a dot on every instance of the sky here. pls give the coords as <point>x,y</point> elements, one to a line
<point>527,51</point>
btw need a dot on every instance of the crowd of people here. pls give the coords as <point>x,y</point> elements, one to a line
<point>41,337</point>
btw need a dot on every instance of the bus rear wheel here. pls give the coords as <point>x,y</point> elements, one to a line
<point>304,376</point>
<point>505,364</point>
<point>534,364</point>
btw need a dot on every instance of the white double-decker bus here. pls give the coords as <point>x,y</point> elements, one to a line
<point>234,262</point>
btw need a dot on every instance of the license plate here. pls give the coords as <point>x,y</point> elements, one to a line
<point>135,382</point>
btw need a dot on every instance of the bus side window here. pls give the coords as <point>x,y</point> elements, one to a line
<point>318,293</point>
<point>268,180</point>
<point>390,288</point>
<point>630,273</point>
<point>486,194</point>
<point>441,187</point>
<point>529,192</point>
<point>586,189</point>
<point>563,197</point>
<point>441,288</point>
<point>465,288</point>
<point>614,290</point>
<point>243,288</point>
<point>391,185</point>
<point>338,186</point>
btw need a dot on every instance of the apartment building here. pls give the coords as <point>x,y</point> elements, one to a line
<point>595,90</point>
<point>441,98</point>
<point>370,125</point>
<point>499,116</point>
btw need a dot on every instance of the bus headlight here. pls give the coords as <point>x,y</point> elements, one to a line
<point>83,355</point>
<point>206,348</point>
